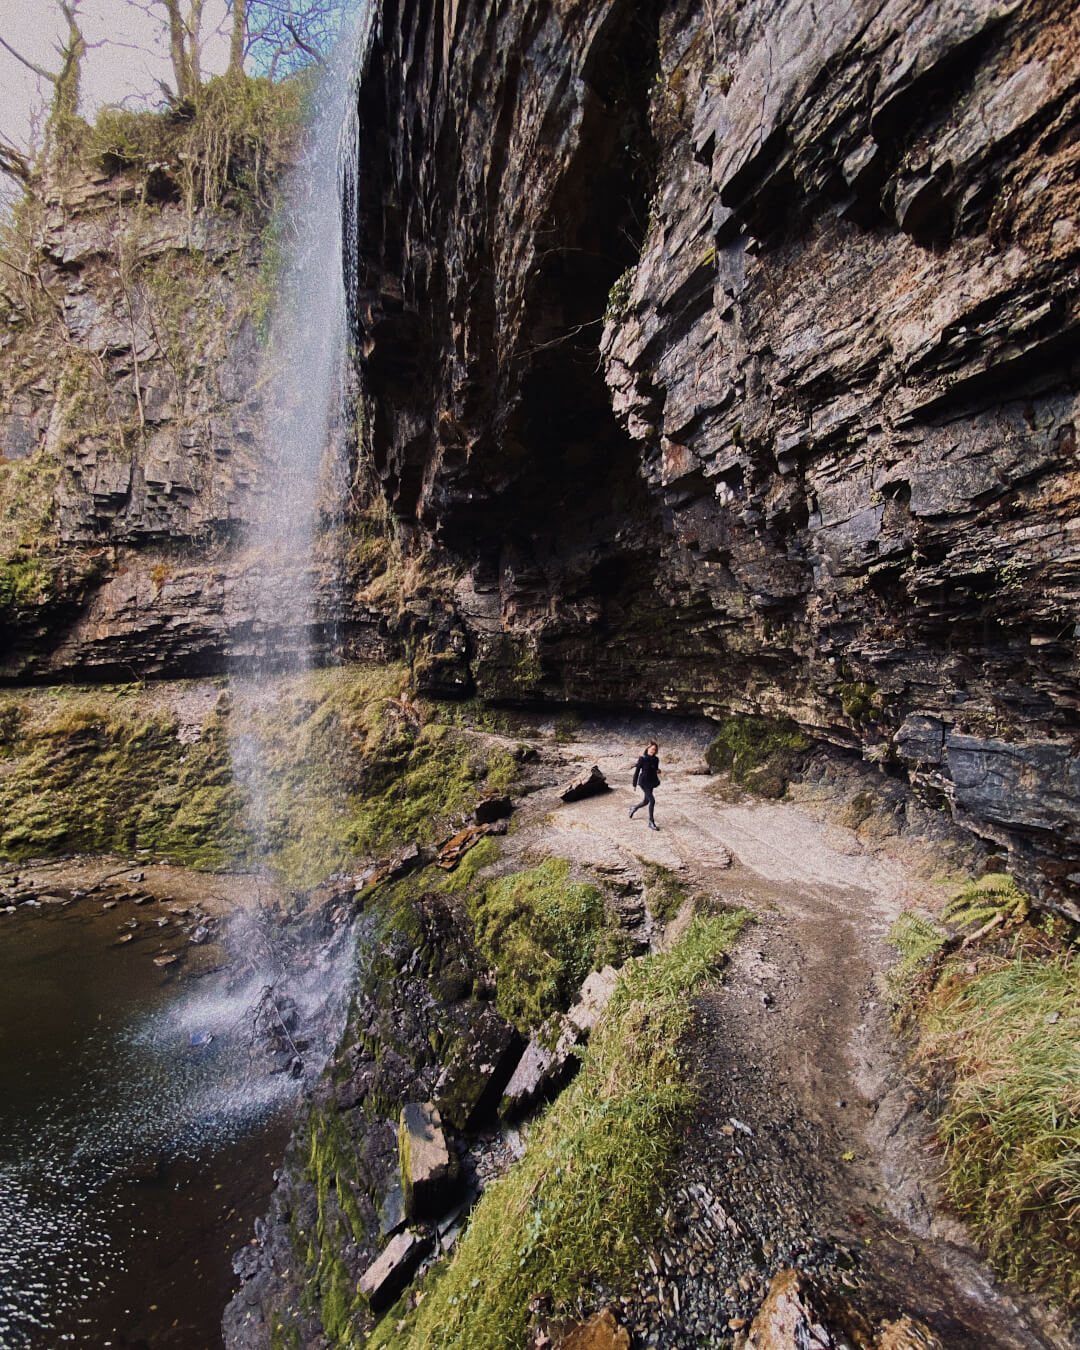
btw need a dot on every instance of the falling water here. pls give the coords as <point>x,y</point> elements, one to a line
<point>291,575</point>
<point>305,379</point>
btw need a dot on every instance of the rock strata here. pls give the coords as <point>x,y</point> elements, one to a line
<point>829,472</point>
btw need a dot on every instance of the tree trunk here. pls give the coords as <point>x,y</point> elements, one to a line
<point>239,34</point>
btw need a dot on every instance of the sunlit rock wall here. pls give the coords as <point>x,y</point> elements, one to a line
<point>731,348</point>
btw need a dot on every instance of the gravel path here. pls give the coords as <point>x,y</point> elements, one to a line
<point>809,1149</point>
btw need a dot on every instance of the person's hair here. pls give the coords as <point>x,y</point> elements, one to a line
<point>651,745</point>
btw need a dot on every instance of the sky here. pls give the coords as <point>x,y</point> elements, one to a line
<point>128,53</point>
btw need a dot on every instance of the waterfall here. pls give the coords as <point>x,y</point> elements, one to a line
<point>304,376</point>
<point>288,583</point>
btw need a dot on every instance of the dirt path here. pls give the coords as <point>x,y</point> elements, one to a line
<point>809,1150</point>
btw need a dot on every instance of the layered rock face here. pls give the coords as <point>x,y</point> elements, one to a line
<point>132,438</point>
<point>827,468</point>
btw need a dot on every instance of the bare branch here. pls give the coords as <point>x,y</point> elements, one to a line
<point>13,162</point>
<point>30,65</point>
<point>303,46</point>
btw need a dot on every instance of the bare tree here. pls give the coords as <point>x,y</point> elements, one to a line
<point>183,22</point>
<point>238,43</point>
<point>284,35</point>
<point>64,105</point>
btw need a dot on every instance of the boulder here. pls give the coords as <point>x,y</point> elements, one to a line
<point>429,1172</point>
<point>384,1280</point>
<point>798,1314</point>
<point>470,1085</point>
<point>593,998</point>
<point>547,1062</point>
<point>588,783</point>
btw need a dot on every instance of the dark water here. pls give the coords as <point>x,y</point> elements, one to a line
<point>132,1164</point>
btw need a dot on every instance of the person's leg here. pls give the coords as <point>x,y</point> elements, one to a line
<point>638,807</point>
<point>652,804</point>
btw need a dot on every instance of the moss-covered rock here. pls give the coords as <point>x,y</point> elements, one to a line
<point>760,753</point>
<point>540,931</point>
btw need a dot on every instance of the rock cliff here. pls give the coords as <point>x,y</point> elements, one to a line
<point>132,443</point>
<point>729,347</point>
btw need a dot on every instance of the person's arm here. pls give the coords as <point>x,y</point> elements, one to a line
<point>637,770</point>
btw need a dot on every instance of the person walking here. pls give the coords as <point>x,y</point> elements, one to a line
<point>647,777</point>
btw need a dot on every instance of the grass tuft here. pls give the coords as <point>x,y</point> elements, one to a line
<point>1008,1041</point>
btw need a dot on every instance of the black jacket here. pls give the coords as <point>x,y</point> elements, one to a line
<point>647,772</point>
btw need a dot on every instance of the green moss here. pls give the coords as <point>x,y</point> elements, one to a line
<point>507,666</point>
<point>89,774</point>
<point>567,726</point>
<point>618,301</point>
<point>22,584</point>
<point>422,784</point>
<point>540,931</point>
<point>758,752</point>
<point>342,767</point>
<point>336,1172</point>
<point>860,702</point>
<point>663,894</point>
<point>579,1205</point>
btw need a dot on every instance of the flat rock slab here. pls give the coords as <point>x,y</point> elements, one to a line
<point>541,1069</point>
<point>593,998</point>
<point>588,783</point>
<point>383,1281</point>
<point>428,1169</point>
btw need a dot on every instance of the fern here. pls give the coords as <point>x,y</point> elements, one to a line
<point>917,938</point>
<point>977,903</point>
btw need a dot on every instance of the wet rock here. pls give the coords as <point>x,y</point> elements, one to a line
<point>384,1280</point>
<point>589,783</point>
<point>429,1171</point>
<point>790,1319</point>
<point>469,1087</point>
<point>392,1211</point>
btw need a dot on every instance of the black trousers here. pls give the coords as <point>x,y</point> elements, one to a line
<point>649,800</point>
